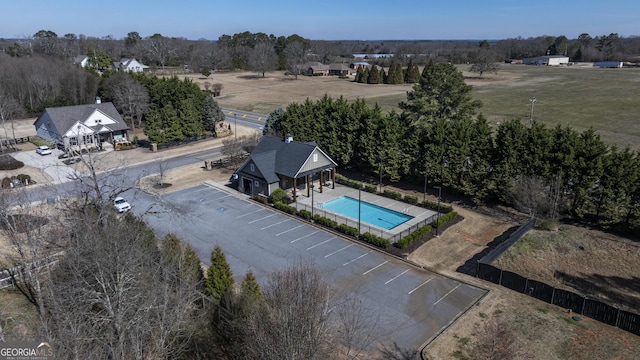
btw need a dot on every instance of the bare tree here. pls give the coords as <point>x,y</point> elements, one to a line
<point>159,48</point>
<point>209,54</point>
<point>9,108</point>
<point>129,96</point>
<point>262,58</point>
<point>531,195</point>
<point>396,352</point>
<point>294,55</point>
<point>355,327</point>
<point>297,295</point>
<point>116,294</point>
<point>34,233</point>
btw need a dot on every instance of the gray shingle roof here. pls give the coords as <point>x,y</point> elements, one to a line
<point>273,156</point>
<point>65,117</point>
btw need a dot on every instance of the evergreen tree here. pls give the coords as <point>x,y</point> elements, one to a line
<point>441,94</point>
<point>395,74</point>
<point>250,287</point>
<point>219,279</point>
<point>412,76</point>
<point>211,114</point>
<point>374,75</point>
<point>273,124</point>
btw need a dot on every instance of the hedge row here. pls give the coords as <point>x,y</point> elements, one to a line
<point>376,240</point>
<point>411,238</point>
<point>444,219</point>
<point>356,184</point>
<point>409,199</point>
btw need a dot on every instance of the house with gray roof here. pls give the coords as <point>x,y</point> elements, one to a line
<point>82,126</point>
<point>285,164</point>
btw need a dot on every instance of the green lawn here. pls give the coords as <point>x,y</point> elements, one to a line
<point>576,96</point>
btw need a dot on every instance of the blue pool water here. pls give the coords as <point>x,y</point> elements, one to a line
<point>369,213</point>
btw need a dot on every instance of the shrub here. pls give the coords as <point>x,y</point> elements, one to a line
<point>324,221</point>
<point>376,240</point>
<point>305,214</point>
<point>433,205</point>
<point>6,183</point>
<point>392,195</point>
<point>347,230</point>
<point>8,162</point>
<point>410,199</point>
<point>444,219</point>
<point>278,195</point>
<point>411,238</point>
<point>24,178</point>
<point>285,208</point>
<point>370,188</point>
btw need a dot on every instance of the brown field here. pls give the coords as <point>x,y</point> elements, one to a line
<point>247,91</point>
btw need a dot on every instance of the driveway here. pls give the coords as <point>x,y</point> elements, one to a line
<point>406,304</point>
<point>50,164</point>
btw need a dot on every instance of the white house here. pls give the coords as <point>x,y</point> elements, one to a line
<point>82,126</point>
<point>82,60</point>
<point>131,65</point>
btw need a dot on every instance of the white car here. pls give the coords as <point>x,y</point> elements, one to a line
<point>121,205</point>
<point>43,150</point>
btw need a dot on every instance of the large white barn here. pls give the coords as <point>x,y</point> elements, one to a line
<point>549,60</point>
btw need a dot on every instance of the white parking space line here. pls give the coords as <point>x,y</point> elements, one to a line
<point>262,218</point>
<point>358,258</point>
<point>337,251</point>
<point>395,277</point>
<point>249,213</point>
<point>447,294</point>
<point>419,286</point>
<point>318,244</point>
<point>286,231</point>
<point>300,238</point>
<point>377,266</point>
<point>274,224</point>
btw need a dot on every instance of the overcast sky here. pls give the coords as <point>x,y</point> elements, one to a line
<point>323,19</point>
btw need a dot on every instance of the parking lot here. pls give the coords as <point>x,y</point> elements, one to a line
<point>411,305</point>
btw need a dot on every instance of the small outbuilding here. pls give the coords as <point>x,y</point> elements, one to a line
<point>286,164</point>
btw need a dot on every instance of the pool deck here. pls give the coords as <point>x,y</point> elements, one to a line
<point>421,216</point>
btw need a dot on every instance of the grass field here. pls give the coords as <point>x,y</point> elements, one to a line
<point>578,96</point>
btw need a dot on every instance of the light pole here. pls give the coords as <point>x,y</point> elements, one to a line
<point>235,126</point>
<point>380,159</point>
<point>426,171</point>
<point>533,100</point>
<point>311,187</point>
<point>359,202</point>
<point>438,215</point>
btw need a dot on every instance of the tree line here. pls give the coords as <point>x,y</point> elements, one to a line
<point>264,52</point>
<point>441,134</point>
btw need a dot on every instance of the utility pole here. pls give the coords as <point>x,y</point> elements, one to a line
<point>533,100</point>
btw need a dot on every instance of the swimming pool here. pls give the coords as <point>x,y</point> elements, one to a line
<point>369,213</point>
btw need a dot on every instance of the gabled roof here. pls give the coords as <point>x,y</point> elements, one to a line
<point>273,156</point>
<point>65,117</point>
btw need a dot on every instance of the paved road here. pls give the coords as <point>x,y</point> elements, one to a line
<point>405,304</point>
